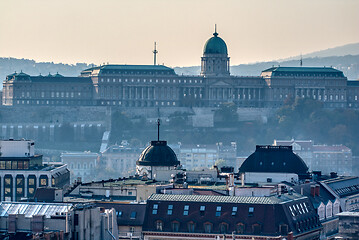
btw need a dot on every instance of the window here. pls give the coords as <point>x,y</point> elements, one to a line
<point>234,211</point>
<point>159,225</point>
<point>283,229</point>
<point>223,228</point>
<point>155,208</point>
<point>208,227</point>
<point>185,210</point>
<point>175,226</point>
<point>133,215</point>
<point>250,211</point>
<point>202,208</point>
<point>119,214</point>
<point>256,228</point>
<point>240,228</point>
<point>218,211</point>
<point>191,226</point>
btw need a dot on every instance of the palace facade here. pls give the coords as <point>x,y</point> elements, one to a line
<point>160,86</point>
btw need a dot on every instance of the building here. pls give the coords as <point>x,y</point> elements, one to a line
<point>198,157</point>
<point>348,225</point>
<point>289,216</point>
<point>326,205</point>
<point>67,221</point>
<point>23,89</point>
<point>120,160</point>
<point>130,218</point>
<point>22,171</point>
<point>323,158</point>
<point>337,158</point>
<point>273,164</point>
<point>134,189</point>
<point>346,189</point>
<point>160,86</point>
<point>81,164</point>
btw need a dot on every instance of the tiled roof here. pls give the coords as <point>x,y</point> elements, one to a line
<point>343,186</point>
<point>224,199</point>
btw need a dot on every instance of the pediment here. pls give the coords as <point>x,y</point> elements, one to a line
<point>221,83</point>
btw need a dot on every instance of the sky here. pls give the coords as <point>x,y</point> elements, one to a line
<point>124,31</point>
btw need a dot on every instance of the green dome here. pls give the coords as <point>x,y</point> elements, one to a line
<point>215,45</point>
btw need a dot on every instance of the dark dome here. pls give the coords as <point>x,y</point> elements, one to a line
<point>215,45</point>
<point>158,154</point>
<point>276,159</point>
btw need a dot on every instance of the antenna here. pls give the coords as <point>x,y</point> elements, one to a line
<point>154,54</point>
<point>301,60</point>
<point>158,129</point>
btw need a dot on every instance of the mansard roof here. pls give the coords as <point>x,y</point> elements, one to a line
<point>131,69</point>
<point>224,199</point>
<point>292,210</point>
<point>354,83</point>
<point>303,69</point>
<point>343,186</point>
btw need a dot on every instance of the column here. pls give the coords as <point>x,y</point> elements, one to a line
<point>2,188</point>
<point>25,185</point>
<point>14,188</point>
<point>49,180</point>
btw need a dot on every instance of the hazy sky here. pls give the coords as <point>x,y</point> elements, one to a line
<point>123,31</point>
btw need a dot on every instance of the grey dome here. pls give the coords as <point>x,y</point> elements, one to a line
<point>215,45</point>
<point>158,154</point>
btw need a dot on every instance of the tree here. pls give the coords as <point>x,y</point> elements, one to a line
<point>226,114</point>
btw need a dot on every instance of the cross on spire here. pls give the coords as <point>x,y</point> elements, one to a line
<point>158,129</point>
<point>215,30</point>
<point>154,55</point>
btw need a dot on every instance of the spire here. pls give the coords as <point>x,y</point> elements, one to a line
<point>158,129</point>
<point>301,60</point>
<point>154,55</point>
<point>215,30</point>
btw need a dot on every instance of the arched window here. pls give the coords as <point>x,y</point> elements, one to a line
<point>240,228</point>
<point>159,225</point>
<point>208,227</point>
<point>191,226</point>
<point>175,226</point>
<point>223,228</point>
<point>256,228</point>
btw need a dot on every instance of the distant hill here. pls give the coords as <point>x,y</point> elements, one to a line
<point>349,49</point>
<point>10,65</point>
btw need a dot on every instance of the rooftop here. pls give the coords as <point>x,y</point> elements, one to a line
<point>276,199</point>
<point>30,209</point>
<point>303,69</point>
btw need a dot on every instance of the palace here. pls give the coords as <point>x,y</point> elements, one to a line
<point>159,86</point>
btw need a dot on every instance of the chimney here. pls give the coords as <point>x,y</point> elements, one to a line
<point>290,236</point>
<point>317,189</point>
<point>312,190</point>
